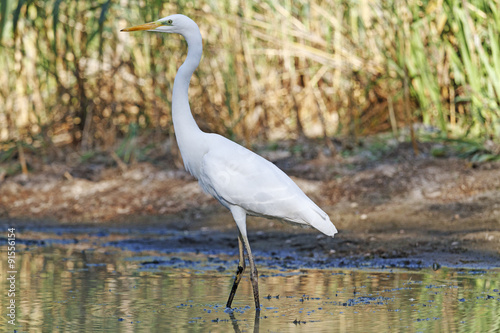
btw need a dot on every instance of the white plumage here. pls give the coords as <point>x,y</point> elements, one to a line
<point>236,176</point>
<point>239,179</point>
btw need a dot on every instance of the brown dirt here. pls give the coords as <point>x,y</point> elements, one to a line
<point>395,206</point>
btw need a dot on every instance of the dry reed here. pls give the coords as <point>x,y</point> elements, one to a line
<point>270,70</point>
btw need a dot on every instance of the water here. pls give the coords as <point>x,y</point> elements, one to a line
<point>62,288</point>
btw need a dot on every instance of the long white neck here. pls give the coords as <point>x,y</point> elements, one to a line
<point>188,134</point>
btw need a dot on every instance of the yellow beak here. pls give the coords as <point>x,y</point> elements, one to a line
<point>145,26</point>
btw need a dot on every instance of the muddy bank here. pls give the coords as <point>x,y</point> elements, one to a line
<point>395,209</point>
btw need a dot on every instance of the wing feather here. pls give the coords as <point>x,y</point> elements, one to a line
<point>235,175</point>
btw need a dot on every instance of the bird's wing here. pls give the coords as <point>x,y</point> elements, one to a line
<point>236,176</point>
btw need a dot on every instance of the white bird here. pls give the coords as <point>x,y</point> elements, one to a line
<point>239,179</point>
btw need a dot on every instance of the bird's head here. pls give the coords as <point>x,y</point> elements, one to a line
<point>176,23</point>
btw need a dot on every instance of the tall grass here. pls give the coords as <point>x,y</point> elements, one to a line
<point>271,69</point>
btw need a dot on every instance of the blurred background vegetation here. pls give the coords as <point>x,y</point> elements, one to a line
<point>272,70</point>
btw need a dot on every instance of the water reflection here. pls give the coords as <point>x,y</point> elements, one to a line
<point>65,289</point>
<point>236,327</point>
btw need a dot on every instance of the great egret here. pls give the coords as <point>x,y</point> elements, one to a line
<point>239,179</point>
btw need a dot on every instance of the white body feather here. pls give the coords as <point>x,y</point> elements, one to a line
<point>236,176</point>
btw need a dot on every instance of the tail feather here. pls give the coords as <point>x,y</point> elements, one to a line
<point>317,218</point>
<point>325,226</point>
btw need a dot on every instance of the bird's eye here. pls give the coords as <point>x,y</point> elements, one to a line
<point>169,21</point>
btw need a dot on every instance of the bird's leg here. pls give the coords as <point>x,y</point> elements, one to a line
<point>239,272</point>
<point>256,323</point>
<point>240,215</point>
<point>254,276</point>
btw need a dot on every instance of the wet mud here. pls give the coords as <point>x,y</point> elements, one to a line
<point>275,245</point>
<point>396,210</point>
